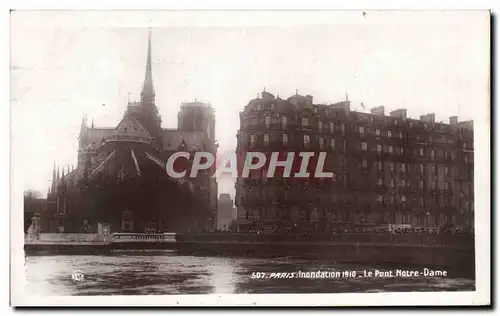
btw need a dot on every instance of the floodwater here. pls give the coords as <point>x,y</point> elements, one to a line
<point>160,273</point>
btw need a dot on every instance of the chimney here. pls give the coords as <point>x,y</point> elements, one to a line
<point>399,113</point>
<point>309,100</point>
<point>379,110</point>
<point>454,120</point>
<point>428,118</point>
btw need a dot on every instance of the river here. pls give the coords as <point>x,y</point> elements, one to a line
<point>154,273</point>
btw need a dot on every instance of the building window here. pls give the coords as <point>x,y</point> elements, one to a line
<point>446,186</point>
<point>403,167</point>
<point>377,131</point>
<point>422,168</point>
<point>364,163</point>
<point>434,170</point>
<point>445,154</point>
<point>389,133</point>
<point>380,198</point>
<point>267,121</point>
<point>285,139</point>
<point>380,181</point>
<point>307,140</point>
<point>380,165</point>
<point>321,142</point>
<point>332,143</point>
<point>402,183</point>
<point>266,139</point>
<point>305,121</point>
<point>421,151</point>
<point>283,121</point>
<point>379,148</point>
<point>391,166</point>
<point>320,127</point>
<point>433,154</point>
<point>361,130</point>
<point>403,198</point>
<point>434,185</point>
<point>390,149</point>
<point>392,199</point>
<point>364,146</point>
<point>402,150</point>
<point>252,139</point>
<point>391,183</point>
<point>446,171</point>
<point>401,135</point>
<point>421,184</point>
<point>332,127</point>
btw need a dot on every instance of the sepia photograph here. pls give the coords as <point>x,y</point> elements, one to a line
<point>292,157</point>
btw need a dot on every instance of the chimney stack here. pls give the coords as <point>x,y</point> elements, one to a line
<point>428,118</point>
<point>379,110</point>
<point>309,100</point>
<point>399,113</point>
<point>454,120</point>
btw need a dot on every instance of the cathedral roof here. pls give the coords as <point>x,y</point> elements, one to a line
<point>130,129</point>
<point>96,135</point>
<point>172,139</point>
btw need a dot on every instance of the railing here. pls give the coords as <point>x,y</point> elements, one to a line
<point>408,239</point>
<point>137,237</point>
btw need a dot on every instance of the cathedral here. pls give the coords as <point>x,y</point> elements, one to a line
<point>120,179</point>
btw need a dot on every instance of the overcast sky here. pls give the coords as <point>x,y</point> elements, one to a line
<point>68,63</point>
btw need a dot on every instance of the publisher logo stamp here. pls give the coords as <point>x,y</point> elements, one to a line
<point>77,276</point>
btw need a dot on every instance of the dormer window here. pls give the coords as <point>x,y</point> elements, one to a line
<point>305,121</point>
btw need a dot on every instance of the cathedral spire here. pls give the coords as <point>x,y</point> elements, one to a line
<point>54,180</point>
<point>148,91</point>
